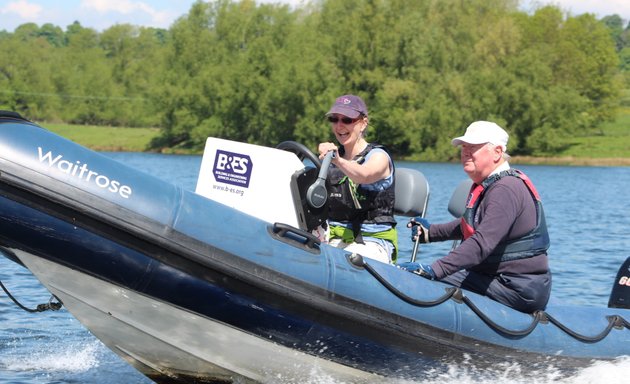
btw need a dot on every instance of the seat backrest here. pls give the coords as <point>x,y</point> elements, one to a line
<point>412,193</point>
<point>457,203</point>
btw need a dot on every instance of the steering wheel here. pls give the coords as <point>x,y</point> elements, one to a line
<point>301,151</point>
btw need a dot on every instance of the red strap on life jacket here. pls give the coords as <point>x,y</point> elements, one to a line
<point>475,191</point>
<point>530,185</point>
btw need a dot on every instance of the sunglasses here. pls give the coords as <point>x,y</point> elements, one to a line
<point>346,120</point>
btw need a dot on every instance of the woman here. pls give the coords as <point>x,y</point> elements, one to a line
<point>360,185</point>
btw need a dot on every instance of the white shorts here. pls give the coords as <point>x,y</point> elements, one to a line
<point>370,249</point>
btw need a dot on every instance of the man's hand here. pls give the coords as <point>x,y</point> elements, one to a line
<point>419,228</point>
<point>423,270</point>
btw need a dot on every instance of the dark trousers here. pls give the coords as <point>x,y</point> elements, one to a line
<point>523,292</point>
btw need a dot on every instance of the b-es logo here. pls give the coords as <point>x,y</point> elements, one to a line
<point>232,168</point>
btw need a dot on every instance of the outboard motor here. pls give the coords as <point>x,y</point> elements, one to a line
<point>620,295</point>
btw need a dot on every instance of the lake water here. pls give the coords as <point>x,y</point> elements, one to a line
<point>588,218</point>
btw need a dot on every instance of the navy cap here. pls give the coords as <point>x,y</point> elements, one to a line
<point>349,105</point>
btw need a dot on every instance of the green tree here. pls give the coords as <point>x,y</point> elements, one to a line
<point>592,67</point>
<point>25,77</point>
<point>615,25</point>
<point>547,101</point>
<point>135,57</point>
<point>267,73</point>
<point>53,34</point>
<point>83,78</point>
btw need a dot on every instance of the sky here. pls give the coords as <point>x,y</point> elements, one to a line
<point>102,14</point>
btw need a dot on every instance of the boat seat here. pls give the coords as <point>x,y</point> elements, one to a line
<point>412,196</point>
<point>457,203</point>
<point>412,193</point>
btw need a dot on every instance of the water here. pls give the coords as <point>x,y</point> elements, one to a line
<point>588,222</point>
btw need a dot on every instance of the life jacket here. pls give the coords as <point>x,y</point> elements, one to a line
<point>530,244</point>
<point>350,202</point>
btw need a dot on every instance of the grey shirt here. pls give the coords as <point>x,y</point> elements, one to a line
<point>506,211</point>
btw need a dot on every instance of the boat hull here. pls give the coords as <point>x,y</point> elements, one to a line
<point>168,343</point>
<point>185,288</point>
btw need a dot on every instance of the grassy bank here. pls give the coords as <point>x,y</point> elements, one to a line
<point>115,139</point>
<point>609,146</point>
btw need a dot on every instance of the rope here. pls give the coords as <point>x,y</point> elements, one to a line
<point>51,305</point>
<point>456,293</point>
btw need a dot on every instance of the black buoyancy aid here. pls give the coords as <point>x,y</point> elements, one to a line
<point>361,205</point>
<point>530,244</point>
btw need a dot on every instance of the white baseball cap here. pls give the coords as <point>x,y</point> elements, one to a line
<point>481,132</point>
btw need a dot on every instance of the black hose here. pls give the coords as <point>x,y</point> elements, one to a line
<point>612,320</point>
<point>51,305</point>
<point>536,317</point>
<point>420,303</point>
<point>452,292</point>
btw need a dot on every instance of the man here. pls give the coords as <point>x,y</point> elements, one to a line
<point>503,253</point>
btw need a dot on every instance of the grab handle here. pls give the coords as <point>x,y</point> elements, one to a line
<point>295,236</point>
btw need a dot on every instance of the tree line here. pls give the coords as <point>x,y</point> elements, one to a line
<point>268,73</point>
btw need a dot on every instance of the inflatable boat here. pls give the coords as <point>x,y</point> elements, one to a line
<point>230,282</point>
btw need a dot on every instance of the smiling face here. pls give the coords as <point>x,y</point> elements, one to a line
<point>479,160</point>
<point>348,131</point>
